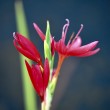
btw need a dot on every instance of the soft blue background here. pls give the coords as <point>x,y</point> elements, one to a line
<point>84,83</point>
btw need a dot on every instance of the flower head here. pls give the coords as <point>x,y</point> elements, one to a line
<point>73,47</point>
<point>39,77</point>
<point>27,48</point>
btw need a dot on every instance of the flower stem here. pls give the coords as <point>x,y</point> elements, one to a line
<point>51,87</point>
<point>43,105</point>
<point>60,61</point>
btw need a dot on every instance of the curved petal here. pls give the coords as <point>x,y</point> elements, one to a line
<point>38,77</point>
<point>76,43</point>
<point>26,47</point>
<point>34,78</point>
<point>26,44</point>
<point>24,52</point>
<point>82,49</point>
<point>40,33</point>
<point>89,53</point>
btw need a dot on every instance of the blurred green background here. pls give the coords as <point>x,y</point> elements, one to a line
<point>84,83</point>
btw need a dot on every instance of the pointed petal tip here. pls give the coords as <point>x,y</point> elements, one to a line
<point>27,66</point>
<point>95,42</point>
<point>94,52</point>
<point>14,35</point>
<point>34,24</point>
<point>40,33</point>
<point>90,53</point>
<point>98,49</point>
<point>25,61</point>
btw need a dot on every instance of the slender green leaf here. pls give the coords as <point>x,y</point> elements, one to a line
<point>28,91</point>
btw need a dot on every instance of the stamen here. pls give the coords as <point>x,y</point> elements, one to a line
<point>65,28</point>
<point>79,31</point>
<point>67,21</point>
<point>71,37</point>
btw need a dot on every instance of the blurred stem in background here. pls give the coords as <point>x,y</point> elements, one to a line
<point>28,91</point>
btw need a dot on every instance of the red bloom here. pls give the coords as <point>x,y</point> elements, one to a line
<point>39,77</point>
<point>73,47</point>
<point>27,48</point>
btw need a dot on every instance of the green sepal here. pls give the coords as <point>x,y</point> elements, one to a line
<point>48,35</point>
<point>47,43</point>
<point>52,85</point>
<point>47,51</point>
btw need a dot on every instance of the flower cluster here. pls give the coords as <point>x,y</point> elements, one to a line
<point>39,73</point>
<point>42,74</point>
<point>73,47</point>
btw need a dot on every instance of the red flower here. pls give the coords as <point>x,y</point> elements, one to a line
<point>27,48</point>
<point>73,47</point>
<point>39,77</point>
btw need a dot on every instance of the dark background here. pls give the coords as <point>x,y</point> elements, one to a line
<point>84,83</point>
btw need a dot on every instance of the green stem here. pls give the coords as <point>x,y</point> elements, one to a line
<point>43,105</point>
<point>52,84</point>
<point>49,93</point>
<point>60,61</point>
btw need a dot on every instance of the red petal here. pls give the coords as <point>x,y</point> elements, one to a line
<point>27,46</point>
<point>36,78</point>
<point>40,33</point>
<point>25,43</point>
<point>60,47</point>
<point>46,73</point>
<point>89,53</point>
<point>82,49</point>
<point>25,53</point>
<point>76,43</point>
<point>30,72</point>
